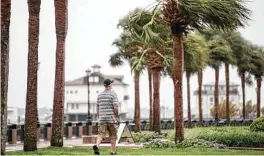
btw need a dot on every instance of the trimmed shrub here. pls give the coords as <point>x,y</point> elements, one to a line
<point>193,143</point>
<point>233,137</point>
<point>258,125</point>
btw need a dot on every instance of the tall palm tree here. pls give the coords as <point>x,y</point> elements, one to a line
<point>195,59</point>
<point>127,50</point>
<point>151,32</point>
<point>61,24</point>
<point>30,142</point>
<point>150,100</point>
<point>241,54</point>
<point>5,25</point>
<point>257,70</point>
<point>181,15</point>
<point>219,50</point>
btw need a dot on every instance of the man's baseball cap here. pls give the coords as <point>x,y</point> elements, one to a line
<point>107,82</point>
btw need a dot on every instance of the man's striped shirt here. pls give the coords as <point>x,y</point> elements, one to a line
<point>106,103</point>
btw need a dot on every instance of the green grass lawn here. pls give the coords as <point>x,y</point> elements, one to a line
<point>143,151</point>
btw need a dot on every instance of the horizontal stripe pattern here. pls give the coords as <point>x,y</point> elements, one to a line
<point>106,101</point>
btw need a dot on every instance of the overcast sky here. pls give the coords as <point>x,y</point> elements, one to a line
<point>91,30</point>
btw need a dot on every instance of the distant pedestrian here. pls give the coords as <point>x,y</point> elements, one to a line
<point>107,113</point>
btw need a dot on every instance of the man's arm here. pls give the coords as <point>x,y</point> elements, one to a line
<point>115,103</point>
<point>97,109</point>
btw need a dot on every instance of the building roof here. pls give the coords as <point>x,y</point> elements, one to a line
<point>83,80</point>
<point>221,83</point>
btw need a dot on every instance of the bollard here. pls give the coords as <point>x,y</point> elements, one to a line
<point>22,131</point>
<point>79,129</point>
<point>38,131</point>
<point>69,130</point>
<point>14,134</point>
<point>47,131</point>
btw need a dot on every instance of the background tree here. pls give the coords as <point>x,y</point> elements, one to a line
<point>5,25</point>
<point>151,33</point>
<point>127,48</point>
<point>61,25</point>
<point>219,52</point>
<point>257,69</point>
<point>181,15</point>
<point>30,142</point>
<point>241,52</point>
<point>195,59</point>
<point>222,110</point>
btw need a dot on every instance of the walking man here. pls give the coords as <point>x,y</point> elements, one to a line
<point>107,109</point>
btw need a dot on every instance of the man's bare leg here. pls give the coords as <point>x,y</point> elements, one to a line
<point>113,146</point>
<point>98,141</point>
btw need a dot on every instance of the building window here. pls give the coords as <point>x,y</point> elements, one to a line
<point>97,91</point>
<point>82,117</point>
<point>72,106</point>
<point>77,106</point>
<point>71,91</point>
<point>211,99</point>
<point>96,79</point>
<point>76,92</point>
<point>72,117</point>
<point>67,92</point>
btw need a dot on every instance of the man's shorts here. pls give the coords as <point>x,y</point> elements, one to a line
<point>109,128</point>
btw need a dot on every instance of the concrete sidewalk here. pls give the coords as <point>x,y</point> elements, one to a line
<point>77,142</point>
<point>43,144</point>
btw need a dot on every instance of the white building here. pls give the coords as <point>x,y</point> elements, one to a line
<point>208,97</point>
<point>76,95</point>
<point>12,115</point>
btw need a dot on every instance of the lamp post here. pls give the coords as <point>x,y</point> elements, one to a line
<point>88,121</point>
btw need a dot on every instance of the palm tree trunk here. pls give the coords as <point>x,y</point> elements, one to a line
<point>200,83</point>
<point>61,24</point>
<point>137,104</point>
<point>156,99</point>
<point>178,58</point>
<point>150,100</point>
<point>216,95</point>
<point>242,76</point>
<point>188,75</point>
<point>258,95</point>
<point>227,92</point>
<point>30,142</point>
<point>5,25</point>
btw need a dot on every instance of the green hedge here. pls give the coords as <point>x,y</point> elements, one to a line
<point>258,125</point>
<point>233,136</point>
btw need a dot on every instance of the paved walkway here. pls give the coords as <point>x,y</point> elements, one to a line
<point>75,142</point>
<point>43,144</point>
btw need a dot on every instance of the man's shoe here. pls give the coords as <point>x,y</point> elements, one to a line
<point>96,150</point>
<point>113,153</point>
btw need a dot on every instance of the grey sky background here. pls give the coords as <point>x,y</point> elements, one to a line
<point>91,31</point>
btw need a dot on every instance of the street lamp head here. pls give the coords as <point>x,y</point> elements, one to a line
<point>88,72</point>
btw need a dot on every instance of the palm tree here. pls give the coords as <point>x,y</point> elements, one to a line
<point>150,32</point>
<point>30,142</point>
<point>5,25</point>
<point>127,51</point>
<point>61,24</point>
<point>219,52</point>
<point>257,70</point>
<point>195,59</point>
<point>181,15</point>
<point>241,54</point>
<point>150,100</point>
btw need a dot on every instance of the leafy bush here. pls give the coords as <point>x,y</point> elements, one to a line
<point>194,143</point>
<point>233,136</point>
<point>258,125</point>
<point>143,137</point>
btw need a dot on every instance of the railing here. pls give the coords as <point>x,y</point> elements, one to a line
<point>15,133</point>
